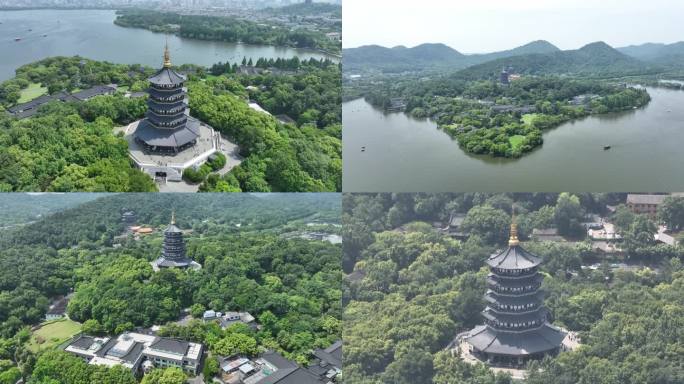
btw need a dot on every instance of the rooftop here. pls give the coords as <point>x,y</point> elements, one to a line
<point>543,339</point>
<point>513,257</point>
<point>645,199</point>
<point>167,76</point>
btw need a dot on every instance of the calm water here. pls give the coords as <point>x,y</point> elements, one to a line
<point>407,155</point>
<point>92,34</point>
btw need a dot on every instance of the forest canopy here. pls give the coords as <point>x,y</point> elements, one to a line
<point>411,288</point>
<point>251,262</point>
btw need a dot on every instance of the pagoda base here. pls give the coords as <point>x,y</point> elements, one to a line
<point>511,349</point>
<point>162,263</point>
<point>169,165</point>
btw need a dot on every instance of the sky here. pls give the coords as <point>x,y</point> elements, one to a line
<point>479,26</point>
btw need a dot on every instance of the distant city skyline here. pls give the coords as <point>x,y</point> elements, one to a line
<point>495,25</point>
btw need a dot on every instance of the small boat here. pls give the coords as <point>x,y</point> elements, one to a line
<point>45,35</point>
<point>363,149</point>
<point>606,147</point>
<point>17,39</point>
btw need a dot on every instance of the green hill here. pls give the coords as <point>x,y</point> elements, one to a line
<point>595,59</point>
<point>662,54</point>
<point>400,58</point>
<point>428,56</point>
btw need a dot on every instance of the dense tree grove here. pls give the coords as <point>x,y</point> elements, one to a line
<point>291,285</point>
<point>411,289</point>
<point>278,157</point>
<point>225,29</point>
<point>61,367</point>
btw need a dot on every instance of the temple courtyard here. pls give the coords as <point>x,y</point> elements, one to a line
<point>172,165</point>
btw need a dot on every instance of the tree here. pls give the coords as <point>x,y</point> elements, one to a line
<point>489,223</point>
<point>165,376</point>
<point>236,343</point>
<point>640,236</point>
<point>623,217</point>
<point>92,327</point>
<point>211,369</point>
<point>671,213</point>
<point>568,215</point>
<point>197,310</point>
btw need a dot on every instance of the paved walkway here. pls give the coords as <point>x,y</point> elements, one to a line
<point>225,146</point>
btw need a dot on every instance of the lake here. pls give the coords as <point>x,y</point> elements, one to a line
<point>92,34</point>
<point>408,155</point>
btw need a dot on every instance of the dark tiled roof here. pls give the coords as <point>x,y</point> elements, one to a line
<point>171,345</point>
<point>166,263</point>
<point>524,317</point>
<point>102,352</point>
<point>83,342</point>
<point>331,355</point>
<point>166,106</point>
<point>163,94</point>
<point>291,376</point>
<point>167,76</point>
<point>172,228</point>
<point>513,258</point>
<point>544,339</point>
<point>134,354</point>
<point>168,137</point>
<point>492,296</point>
<point>94,91</point>
<point>277,360</point>
<point>645,199</point>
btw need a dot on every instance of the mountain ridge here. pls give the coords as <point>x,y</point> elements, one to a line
<point>535,57</point>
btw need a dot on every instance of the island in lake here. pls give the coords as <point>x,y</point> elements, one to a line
<point>501,107</point>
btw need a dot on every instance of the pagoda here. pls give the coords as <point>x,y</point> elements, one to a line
<point>173,250</point>
<point>516,327</point>
<point>167,127</point>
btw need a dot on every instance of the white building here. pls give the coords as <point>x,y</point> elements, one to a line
<point>138,352</point>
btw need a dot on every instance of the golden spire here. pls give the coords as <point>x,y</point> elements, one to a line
<point>167,55</point>
<point>513,240</point>
<point>173,217</point>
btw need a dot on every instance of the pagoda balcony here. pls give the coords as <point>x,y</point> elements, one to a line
<point>512,273</point>
<point>524,321</point>
<point>164,95</point>
<point>513,277</point>
<point>170,112</point>
<point>170,99</point>
<point>513,290</point>
<point>517,310</point>
<point>168,125</point>
<point>530,280</point>
<point>160,105</point>
<point>166,87</point>
<point>519,299</point>
<point>523,304</point>
<point>514,327</point>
